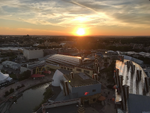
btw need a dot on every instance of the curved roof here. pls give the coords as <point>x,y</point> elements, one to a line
<point>64,59</point>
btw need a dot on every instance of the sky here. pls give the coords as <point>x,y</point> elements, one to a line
<point>65,17</point>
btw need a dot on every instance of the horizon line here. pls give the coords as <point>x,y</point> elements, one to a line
<point>78,36</point>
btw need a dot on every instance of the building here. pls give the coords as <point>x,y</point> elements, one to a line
<point>11,67</point>
<point>132,88</point>
<point>79,84</point>
<point>33,67</point>
<point>10,64</point>
<point>138,104</point>
<point>33,53</point>
<point>71,63</point>
<point>78,88</point>
<point>133,59</point>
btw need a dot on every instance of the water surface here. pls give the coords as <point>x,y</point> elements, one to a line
<point>30,99</point>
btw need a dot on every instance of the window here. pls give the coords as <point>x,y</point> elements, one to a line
<point>78,69</point>
<point>85,71</point>
<point>94,90</point>
<point>67,68</point>
<point>70,69</point>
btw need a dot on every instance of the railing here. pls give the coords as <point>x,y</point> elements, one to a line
<point>60,103</point>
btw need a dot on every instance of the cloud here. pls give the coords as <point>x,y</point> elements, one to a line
<point>132,13</point>
<point>21,31</point>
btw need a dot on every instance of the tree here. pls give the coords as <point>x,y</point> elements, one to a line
<point>25,75</point>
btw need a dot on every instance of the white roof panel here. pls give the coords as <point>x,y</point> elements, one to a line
<point>64,59</point>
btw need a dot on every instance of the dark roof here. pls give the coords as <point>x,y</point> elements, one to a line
<point>138,103</point>
<point>80,79</point>
<point>65,71</point>
<point>64,109</point>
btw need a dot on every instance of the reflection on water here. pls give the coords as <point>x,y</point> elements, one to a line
<point>30,99</point>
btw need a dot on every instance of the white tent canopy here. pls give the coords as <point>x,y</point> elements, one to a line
<point>4,77</point>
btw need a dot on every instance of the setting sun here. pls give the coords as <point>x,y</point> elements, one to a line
<point>80,31</point>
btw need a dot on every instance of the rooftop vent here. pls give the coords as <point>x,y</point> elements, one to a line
<point>66,88</point>
<point>72,75</point>
<point>146,86</point>
<point>124,95</point>
<point>95,76</point>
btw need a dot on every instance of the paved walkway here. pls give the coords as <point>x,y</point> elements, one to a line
<point>109,106</point>
<point>27,83</point>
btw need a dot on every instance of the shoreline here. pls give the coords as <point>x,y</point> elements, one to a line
<point>34,83</point>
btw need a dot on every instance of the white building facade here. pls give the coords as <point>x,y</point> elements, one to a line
<point>33,54</point>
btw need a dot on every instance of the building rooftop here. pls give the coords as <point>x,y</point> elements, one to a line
<point>138,104</point>
<point>36,64</point>
<point>133,59</point>
<point>79,79</point>
<point>65,60</point>
<point>66,109</point>
<point>130,80</point>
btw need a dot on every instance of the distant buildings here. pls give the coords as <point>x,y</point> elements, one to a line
<point>68,44</point>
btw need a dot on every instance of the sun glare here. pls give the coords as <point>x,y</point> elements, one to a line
<point>80,31</point>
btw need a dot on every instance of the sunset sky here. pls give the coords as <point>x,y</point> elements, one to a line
<point>65,17</point>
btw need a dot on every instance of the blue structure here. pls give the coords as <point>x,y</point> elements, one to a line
<point>76,85</point>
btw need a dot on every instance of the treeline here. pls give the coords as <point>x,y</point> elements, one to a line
<point>107,43</point>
